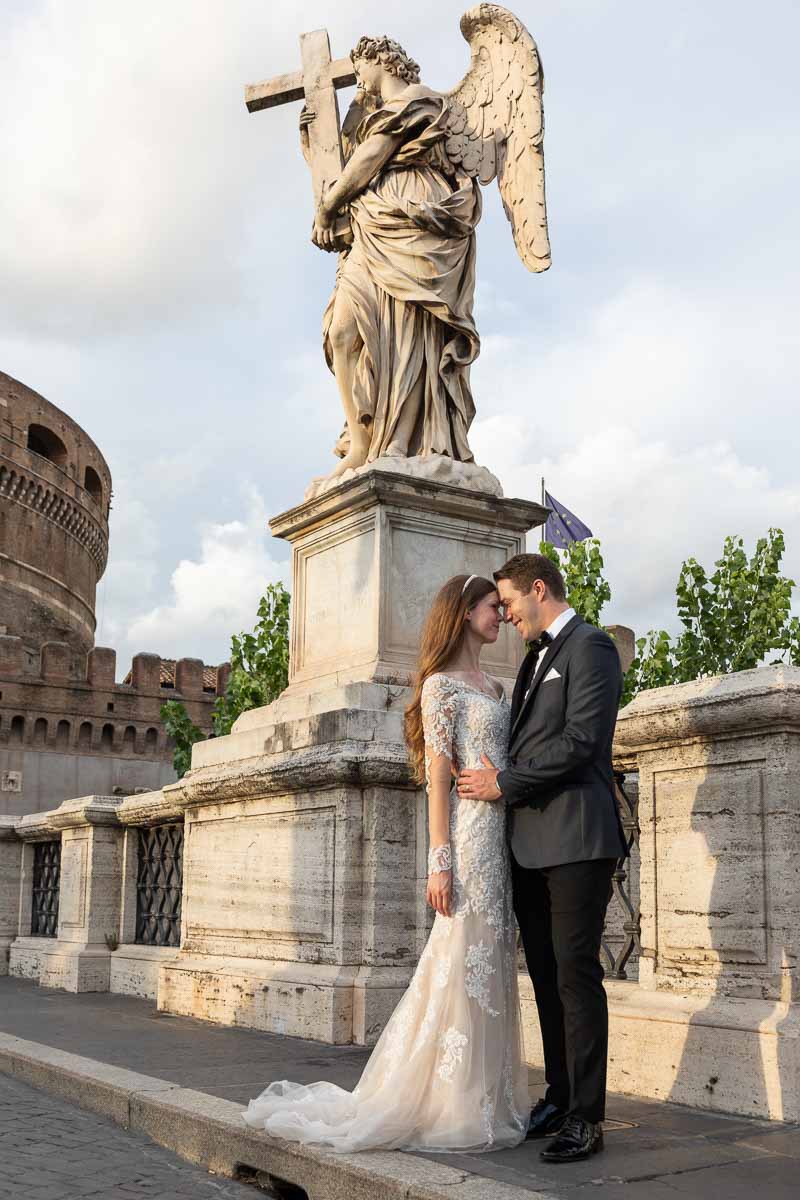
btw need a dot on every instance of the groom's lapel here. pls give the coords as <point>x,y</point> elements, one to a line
<point>553,650</point>
<point>523,677</point>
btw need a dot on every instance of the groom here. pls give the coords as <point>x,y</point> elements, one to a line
<point>565,836</point>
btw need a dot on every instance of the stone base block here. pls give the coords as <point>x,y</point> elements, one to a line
<point>134,969</point>
<point>726,1055</point>
<point>76,968</point>
<point>337,1005</point>
<point>26,955</point>
<point>5,947</point>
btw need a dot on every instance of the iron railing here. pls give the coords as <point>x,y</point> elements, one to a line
<point>159,886</point>
<point>616,959</point>
<point>46,886</point>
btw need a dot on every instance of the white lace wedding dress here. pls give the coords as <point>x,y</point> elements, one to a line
<point>447,1072</point>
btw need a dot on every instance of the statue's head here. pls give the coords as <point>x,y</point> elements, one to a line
<point>373,55</point>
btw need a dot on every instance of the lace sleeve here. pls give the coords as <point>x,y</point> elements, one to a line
<point>438,718</point>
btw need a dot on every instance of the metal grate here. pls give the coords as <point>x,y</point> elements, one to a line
<point>46,883</point>
<point>615,963</point>
<point>159,885</point>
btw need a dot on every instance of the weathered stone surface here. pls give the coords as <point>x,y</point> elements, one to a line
<point>720,833</point>
<point>437,468</point>
<point>714,1020</point>
<point>154,808</point>
<point>369,555</point>
<point>134,970</point>
<point>299,911</point>
<point>78,959</point>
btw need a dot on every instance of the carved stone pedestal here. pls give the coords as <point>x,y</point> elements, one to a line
<point>368,558</point>
<point>306,841</point>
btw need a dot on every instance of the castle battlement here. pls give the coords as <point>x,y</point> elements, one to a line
<point>46,707</point>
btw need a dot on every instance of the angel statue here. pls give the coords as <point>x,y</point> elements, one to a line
<point>398,332</point>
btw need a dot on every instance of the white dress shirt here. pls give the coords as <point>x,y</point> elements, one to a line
<point>554,630</point>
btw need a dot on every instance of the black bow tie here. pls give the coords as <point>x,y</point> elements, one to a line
<point>540,643</point>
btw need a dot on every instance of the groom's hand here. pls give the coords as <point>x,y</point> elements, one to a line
<point>479,785</point>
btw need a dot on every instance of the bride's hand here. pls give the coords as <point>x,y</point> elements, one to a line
<point>439,893</point>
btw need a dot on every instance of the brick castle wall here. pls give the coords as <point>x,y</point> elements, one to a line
<point>66,727</point>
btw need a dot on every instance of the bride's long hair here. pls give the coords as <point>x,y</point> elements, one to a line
<point>442,636</point>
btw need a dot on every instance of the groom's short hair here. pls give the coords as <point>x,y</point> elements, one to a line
<point>523,569</point>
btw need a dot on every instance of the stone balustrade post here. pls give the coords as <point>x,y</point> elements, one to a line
<point>78,958</point>
<point>715,1019</point>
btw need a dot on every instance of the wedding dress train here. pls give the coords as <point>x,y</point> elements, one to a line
<point>447,1072</point>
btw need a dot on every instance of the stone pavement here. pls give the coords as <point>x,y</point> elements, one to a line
<point>50,1150</point>
<point>656,1151</point>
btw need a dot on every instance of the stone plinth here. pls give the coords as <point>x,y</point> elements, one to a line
<point>367,559</point>
<point>715,1018</point>
<point>10,870</point>
<point>303,868</point>
<point>78,958</point>
<point>306,840</point>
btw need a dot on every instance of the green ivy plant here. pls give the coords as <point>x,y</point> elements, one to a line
<point>259,673</point>
<point>581,564</point>
<point>183,732</point>
<point>733,619</point>
<point>259,661</point>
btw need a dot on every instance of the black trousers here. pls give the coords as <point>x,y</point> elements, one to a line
<point>560,912</point>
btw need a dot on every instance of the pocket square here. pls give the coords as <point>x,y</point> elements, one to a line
<point>551,674</point>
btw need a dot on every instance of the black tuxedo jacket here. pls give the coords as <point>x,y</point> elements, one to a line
<point>559,784</point>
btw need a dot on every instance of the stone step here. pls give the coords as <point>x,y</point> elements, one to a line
<point>209,1131</point>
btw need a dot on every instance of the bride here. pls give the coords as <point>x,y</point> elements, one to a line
<point>447,1072</point>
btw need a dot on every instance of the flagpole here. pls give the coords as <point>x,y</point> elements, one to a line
<point>543,493</point>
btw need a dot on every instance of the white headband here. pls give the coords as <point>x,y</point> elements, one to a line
<point>469,581</point>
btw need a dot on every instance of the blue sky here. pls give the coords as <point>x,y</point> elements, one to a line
<point>159,285</point>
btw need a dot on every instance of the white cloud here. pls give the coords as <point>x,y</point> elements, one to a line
<point>215,595</point>
<point>139,188</point>
<point>679,363</point>
<point>652,506</point>
<point>131,570</point>
<point>652,423</point>
<point>159,285</point>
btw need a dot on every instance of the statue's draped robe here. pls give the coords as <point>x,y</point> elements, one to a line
<point>410,279</point>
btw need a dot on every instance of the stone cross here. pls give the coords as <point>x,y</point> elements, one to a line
<point>316,83</point>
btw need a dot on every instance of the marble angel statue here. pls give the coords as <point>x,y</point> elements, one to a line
<point>398,332</point>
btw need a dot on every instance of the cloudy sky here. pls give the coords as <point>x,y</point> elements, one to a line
<point>158,284</point>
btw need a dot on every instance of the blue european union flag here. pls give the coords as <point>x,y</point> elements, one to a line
<point>562,526</point>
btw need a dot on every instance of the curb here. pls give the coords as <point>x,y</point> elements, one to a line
<point>209,1132</point>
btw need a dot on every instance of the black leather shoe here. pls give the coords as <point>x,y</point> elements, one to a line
<point>578,1139</point>
<point>545,1121</point>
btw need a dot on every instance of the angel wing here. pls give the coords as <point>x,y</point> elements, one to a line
<point>495,123</point>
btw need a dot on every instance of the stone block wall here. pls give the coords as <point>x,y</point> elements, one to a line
<point>62,736</point>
